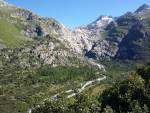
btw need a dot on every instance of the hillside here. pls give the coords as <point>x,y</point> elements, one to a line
<point>42,62</point>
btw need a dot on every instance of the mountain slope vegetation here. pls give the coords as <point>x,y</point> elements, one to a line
<point>11,36</point>
<point>127,96</point>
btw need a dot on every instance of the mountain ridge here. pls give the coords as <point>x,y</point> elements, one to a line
<point>95,39</point>
<point>143,8</point>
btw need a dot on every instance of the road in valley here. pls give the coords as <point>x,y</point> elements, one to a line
<point>85,85</point>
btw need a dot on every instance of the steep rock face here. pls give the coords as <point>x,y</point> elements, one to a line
<point>55,53</point>
<point>83,40</point>
<point>102,50</point>
<point>136,44</point>
<point>77,39</point>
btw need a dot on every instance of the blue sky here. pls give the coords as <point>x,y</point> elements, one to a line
<point>75,13</point>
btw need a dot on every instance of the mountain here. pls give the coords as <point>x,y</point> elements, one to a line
<point>100,23</point>
<point>143,8</point>
<point>34,35</point>
<point>40,57</point>
<point>99,40</point>
<point>84,40</point>
<point>104,38</point>
<point>135,44</point>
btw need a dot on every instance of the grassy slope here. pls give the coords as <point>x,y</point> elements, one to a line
<point>10,35</point>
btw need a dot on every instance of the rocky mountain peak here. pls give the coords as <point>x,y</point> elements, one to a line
<point>104,18</point>
<point>101,22</point>
<point>143,8</point>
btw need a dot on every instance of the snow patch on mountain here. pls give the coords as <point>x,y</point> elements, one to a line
<point>100,23</point>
